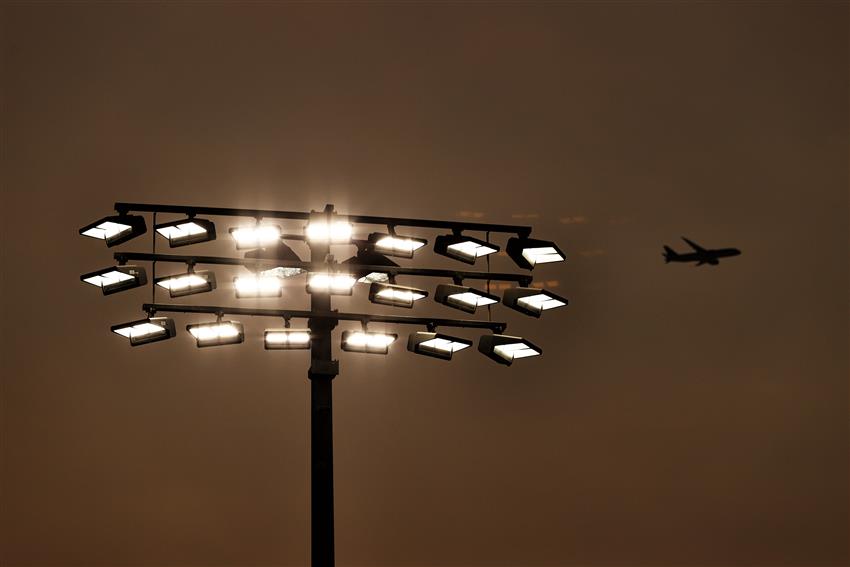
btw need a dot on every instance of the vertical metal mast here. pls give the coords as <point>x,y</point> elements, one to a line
<point>322,371</point>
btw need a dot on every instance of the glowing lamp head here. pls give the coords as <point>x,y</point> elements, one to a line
<point>119,278</point>
<point>116,229</point>
<point>463,248</point>
<point>532,301</point>
<point>333,283</point>
<point>146,331</point>
<point>505,349</point>
<point>258,236</point>
<point>331,230</point>
<point>528,252</point>
<point>217,333</point>
<point>436,345</point>
<point>395,295</point>
<point>368,342</point>
<point>257,285</point>
<point>186,231</point>
<point>395,245</point>
<point>287,339</point>
<point>462,297</point>
<point>179,285</point>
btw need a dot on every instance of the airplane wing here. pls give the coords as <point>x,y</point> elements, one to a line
<point>694,245</point>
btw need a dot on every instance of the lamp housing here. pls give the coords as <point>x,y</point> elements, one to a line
<point>436,345</point>
<point>504,349</point>
<point>395,245</point>
<point>532,301</point>
<point>144,331</point>
<point>257,236</point>
<point>330,229</point>
<point>395,295</point>
<point>217,333</point>
<point>464,248</point>
<point>462,297</point>
<point>257,285</point>
<point>190,283</point>
<point>528,252</point>
<point>287,339</point>
<point>187,231</point>
<point>332,283</point>
<point>118,278</point>
<point>368,342</point>
<point>116,229</point>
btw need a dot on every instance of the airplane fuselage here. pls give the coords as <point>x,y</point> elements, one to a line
<point>700,255</point>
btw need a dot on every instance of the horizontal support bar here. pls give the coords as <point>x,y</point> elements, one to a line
<point>430,322</point>
<point>522,279</point>
<point>361,219</point>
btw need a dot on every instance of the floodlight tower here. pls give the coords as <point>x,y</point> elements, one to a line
<point>271,259</point>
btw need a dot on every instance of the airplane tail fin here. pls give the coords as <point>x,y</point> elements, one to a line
<point>669,254</point>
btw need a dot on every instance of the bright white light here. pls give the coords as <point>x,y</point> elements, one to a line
<point>443,345</point>
<point>400,295</point>
<point>335,232</point>
<point>330,283</point>
<point>255,236</point>
<point>287,338</point>
<point>109,278</point>
<point>375,277</point>
<point>398,245</point>
<point>108,229</point>
<point>140,330</point>
<point>214,332</point>
<point>257,286</point>
<point>515,350</point>
<point>541,255</point>
<point>539,302</point>
<point>469,249</point>
<point>182,230</point>
<point>369,340</point>
<point>470,298</point>
<point>180,283</point>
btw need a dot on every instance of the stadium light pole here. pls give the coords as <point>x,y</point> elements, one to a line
<point>324,229</point>
<point>323,370</point>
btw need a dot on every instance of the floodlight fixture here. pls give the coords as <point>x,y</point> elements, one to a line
<point>528,252</point>
<point>436,345</point>
<point>148,330</point>
<point>187,231</point>
<point>189,283</point>
<point>464,248</point>
<point>328,228</point>
<point>116,229</point>
<point>217,333</point>
<point>287,339</point>
<point>368,342</point>
<point>333,283</point>
<point>462,297</point>
<point>257,285</point>
<point>505,349</point>
<point>117,278</point>
<point>395,295</point>
<point>532,301</point>
<point>256,236</point>
<point>391,244</point>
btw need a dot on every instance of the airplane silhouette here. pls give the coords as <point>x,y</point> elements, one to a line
<point>700,255</point>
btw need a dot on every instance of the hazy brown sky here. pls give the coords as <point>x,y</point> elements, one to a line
<point>679,416</point>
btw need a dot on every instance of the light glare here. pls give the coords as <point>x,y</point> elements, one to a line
<point>255,236</point>
<point>335,232</point>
